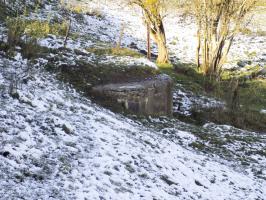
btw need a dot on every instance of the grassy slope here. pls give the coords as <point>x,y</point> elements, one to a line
<point>245,114</point>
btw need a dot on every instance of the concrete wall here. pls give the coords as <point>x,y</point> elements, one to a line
<point>149,97</point>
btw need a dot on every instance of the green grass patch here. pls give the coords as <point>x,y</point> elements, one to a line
<point>248,72</point>
<point>243,110</point>
<point>252,90</point>
<point>261,33</point>
<point>243,118</point>
<point>261,3</point>
<point>88,75</point>
<point>246,31</point>
<point>188,75</point>
<point>253,94</point>
<point>165,65</point>
<point>79,8</point>
<point>115,51</point>
<point>249,32</point>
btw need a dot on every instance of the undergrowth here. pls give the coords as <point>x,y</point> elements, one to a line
<point>245,98</point>
<point>115,51</point>
<point>17,27</point>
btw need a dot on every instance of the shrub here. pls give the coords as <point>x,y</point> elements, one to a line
<point>39,29</point>
<point>218,22</point>
<point>15,30</point>
<point>17,27</point>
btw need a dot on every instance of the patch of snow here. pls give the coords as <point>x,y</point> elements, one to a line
<point>185,101</point>
<point>263,111</point>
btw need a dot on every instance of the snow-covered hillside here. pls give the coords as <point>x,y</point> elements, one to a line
<point>56,144</point>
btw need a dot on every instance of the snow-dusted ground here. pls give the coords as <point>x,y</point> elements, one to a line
<point>185,101</point>
<point>55,144</point>
<point>181,33</point>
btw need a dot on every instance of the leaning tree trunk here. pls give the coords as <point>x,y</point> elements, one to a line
<point>158,35</point>
<point>163,56</point>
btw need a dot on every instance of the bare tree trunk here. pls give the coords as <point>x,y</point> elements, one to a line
<point>198,49</point>
<point>67,33</point>
<point>152,13</point>
<point>148,41</point>
<point>163,56</point>
<point>119,42</point>
<point>160,39</point>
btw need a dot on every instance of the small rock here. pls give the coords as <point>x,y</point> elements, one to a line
<point>198,183</point>
<point>5,154</point>
<point>167,180</point>
<point>243,63</point>
<point>262,72</point>
<point>14,95</point>
<point>66,129</point>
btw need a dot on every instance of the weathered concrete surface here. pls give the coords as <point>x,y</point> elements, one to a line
<point>149,97</point>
